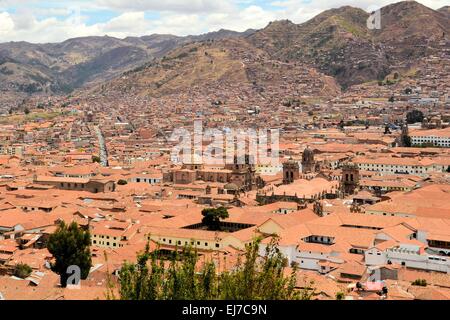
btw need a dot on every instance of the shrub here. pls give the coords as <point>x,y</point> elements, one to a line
<point>254,278</point>
<point>419,282</point>
<point>22,270</point>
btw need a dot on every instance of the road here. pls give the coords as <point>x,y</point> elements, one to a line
<point>102,145</point>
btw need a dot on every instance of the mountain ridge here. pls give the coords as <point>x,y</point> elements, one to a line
<point>336,42</point>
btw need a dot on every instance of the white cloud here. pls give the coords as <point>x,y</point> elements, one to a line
<point>183,6</point>
<point>179,17</point>
<point>127,22</point>
<point>6,24</point>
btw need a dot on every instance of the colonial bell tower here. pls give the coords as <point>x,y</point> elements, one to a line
<point>350,178</point>
<point>308,163</point>
<point>291,171</point>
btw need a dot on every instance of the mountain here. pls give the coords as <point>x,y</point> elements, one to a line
<point>335,44</point>
<point>335,48</point>
<point>27,68</point>
<point>409,29</point>
<point>445,10</point>
<point>230,66</point>
<point>339,43</point>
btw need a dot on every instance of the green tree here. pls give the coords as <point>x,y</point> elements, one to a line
<point>391,99</point>
<point>340,295</point>
<point>212,217</point>
<point>26,111</point>
<point>261,278</point>
<point>122,182</point>
<point>406,140</point>
<point>95,159</point>
<point>69,245</point>
<point>22,270</point>
<point>187,278</point>
<point>419,282</point>
<point>414,116</point>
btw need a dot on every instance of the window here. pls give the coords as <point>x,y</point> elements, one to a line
<point>217,245</point>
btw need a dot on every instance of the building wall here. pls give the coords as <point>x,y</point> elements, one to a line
<point>151,181</point>
<point>270,227</point>
<point>437,141</point>
<point>410,259</point>
<point>408,169</point>
<point>105,241</point>
<point>375,257</point>
<point>181,242</point>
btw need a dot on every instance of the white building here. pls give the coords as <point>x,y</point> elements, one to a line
<point>437,137</point>
<point>396,165</point>
<point>409,255</point>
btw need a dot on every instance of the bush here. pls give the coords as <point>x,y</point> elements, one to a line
<point>414,116</point>
<point>419,282</point>
<point>22,270</point>
<point>256,278</point>
<point>95,159</point>
<point>340,296</point>
<point>122,182</point>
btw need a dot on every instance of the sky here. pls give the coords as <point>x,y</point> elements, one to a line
<point>41,21</point>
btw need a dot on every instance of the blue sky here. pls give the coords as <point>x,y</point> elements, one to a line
<point>58,20</point>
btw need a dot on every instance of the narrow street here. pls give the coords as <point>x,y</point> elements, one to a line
<point>102,146</point>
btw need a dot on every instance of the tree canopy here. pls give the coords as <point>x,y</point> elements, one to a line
<point>122,182</point>
<point>187,278</point>
<point>414,116</point>
<point>69,245</point>
<point>22,270</point>
<point>212,217</point>
<point>406,141</point>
